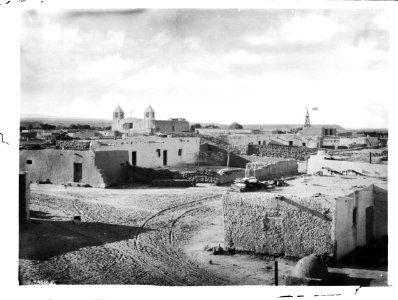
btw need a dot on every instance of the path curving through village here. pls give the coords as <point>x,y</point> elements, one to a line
<point>131,236</point>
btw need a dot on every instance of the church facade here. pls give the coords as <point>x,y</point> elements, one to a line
<point>147,125</point>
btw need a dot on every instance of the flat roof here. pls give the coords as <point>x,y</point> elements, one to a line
<point>332,186</point>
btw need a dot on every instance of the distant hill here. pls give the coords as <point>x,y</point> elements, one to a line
<point>287,127</point>
<point>25,121</point>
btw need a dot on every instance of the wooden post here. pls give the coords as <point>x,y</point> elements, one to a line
<point>276,273</point>
<point>370,157</point>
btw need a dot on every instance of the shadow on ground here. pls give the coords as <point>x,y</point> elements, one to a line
<point>344,279</point>
<point>45,238</point>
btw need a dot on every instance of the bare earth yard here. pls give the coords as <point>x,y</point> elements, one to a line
<point>141,236</point>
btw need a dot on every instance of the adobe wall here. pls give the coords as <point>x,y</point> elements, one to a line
<point>312,131</point>
<point>269,172</point>
<point>146,150</point>
<point>167,125</point>
<point>57,166</point>
<point>348,235</point>
<point>316,162</point>
<point>292,226</point>
<point>111,166</point>
<point>277,170</point>
<point>228,176</point>
<point>345,233</point>
<point>381,212</point>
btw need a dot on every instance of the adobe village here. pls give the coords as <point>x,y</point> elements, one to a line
<point>166,202</point>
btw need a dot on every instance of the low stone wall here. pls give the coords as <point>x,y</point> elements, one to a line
<point>201,176</point>
<point>292,226</point>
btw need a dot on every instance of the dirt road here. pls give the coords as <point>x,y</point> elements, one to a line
<point>140,236</point>
<point>126,236</point>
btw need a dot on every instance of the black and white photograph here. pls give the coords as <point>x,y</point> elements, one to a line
<point>203,147</point>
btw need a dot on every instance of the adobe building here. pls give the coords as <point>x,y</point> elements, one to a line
<point>102,163</point>
<point>147,125</point>
<point>328,218</point>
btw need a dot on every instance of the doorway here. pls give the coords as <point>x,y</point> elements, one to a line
<point>164,157</point>
<point>77,172</point>
<point>369,223</point>
<point>134,158</point>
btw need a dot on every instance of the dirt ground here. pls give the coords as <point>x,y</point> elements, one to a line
<point>142,236</point>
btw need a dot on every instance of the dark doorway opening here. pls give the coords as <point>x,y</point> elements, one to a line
<point>77,172</point>
<point>134,158</point>
<point>369,223</point>
<point>290,143</point>
<point>164,157</point>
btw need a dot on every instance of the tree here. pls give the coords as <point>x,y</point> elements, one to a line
<point>195,126</point>
<point>235,125</point>
<point>212,126</point>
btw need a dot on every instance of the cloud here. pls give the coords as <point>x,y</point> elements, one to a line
<point>241,57</point>
<point>381,19</point>
<point>162,38</point>
<point>109,68</point>
<point>309,29</point>
<point>259,40</point>
<point>160,79</point>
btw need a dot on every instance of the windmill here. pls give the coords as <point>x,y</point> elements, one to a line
<point>307,119</point>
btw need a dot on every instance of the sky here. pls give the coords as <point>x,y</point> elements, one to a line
<point>223,66</point>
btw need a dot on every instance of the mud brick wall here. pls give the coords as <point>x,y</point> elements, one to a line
<point>291,226</point>
<point>277,170</point>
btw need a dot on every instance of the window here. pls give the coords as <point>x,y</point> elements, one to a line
<point>116,115</point>
<point>179,152</point>
<point>290,143</point>
<point>354,216</point>
<point>304,144</point>
<point>172,128</point>
<point>147,114</point>
<point>158,151</point>
<point>29,162</point>
<point>153,115</point>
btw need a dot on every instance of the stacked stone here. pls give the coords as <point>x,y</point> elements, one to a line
<point>201,176</point>
<point>298,153</point>
<point>73,145</point>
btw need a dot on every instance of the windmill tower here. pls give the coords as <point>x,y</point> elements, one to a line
<point>307,120</point>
